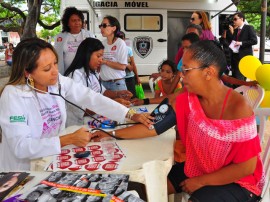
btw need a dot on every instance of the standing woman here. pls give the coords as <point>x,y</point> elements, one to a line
<point>114,62</point>
<point>32,113</point>
<point>83,70</point>
<point>200,18</point>
<point>67,42</point>
<point>8,54</point>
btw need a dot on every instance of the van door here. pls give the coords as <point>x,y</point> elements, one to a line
<point>177,23</point>
<point>147,31</point>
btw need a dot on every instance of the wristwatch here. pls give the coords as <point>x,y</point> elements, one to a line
<point>130,113</point>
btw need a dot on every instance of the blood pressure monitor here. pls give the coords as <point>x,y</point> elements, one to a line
<point>164,117</point>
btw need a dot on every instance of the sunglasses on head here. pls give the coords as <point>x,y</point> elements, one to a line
<point>104,25</point>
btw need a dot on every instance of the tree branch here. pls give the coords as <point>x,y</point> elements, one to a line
<point>49,27</point>
<point>11,29</point>
<point>14,9</point>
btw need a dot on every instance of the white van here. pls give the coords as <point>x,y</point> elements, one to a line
<point>154,27</point>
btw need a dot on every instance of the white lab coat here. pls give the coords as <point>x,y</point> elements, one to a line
<point>75,115</point>
<point>59,43</point>
<point>22,124</point>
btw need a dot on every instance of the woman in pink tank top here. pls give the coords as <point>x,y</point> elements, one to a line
<point>218,130</point>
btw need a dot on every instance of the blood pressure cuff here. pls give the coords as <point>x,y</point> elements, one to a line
<point>165,118</point>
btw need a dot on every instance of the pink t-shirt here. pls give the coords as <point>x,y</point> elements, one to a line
<point>212,144</point>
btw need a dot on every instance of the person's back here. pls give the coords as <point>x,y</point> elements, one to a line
<point>131,77</point>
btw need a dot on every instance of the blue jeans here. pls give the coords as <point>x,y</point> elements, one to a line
<point>115,85</point>
<point>9,63</point>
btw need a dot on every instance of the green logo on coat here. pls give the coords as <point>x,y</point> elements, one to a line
<point>13,119</point>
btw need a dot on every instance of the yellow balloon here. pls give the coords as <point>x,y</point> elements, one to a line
<point>263,76</point>
<point>248,66</point>
<point>266,100</point>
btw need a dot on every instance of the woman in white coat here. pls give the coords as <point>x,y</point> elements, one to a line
<point>83,69</point>
<point>32,118</point>
<point>73,33</point>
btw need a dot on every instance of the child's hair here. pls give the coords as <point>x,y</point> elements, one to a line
<point>170,63</point>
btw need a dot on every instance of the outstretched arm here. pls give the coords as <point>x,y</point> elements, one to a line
<point>176,80</point>
<point>234,81</point>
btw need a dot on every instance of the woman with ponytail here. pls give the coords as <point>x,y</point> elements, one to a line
<point>112,71</point>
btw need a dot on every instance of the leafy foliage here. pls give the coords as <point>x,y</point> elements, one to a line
<point>252,10</point>
<point>13,15</point>
<point>23,15</point>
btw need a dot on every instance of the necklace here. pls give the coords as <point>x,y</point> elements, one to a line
<point>75,36</point>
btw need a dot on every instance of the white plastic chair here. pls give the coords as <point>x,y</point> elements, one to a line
<point>152,84</point>
<point>253,94</point>
<point>263,114</point>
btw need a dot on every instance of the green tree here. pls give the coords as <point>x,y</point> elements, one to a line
<point>252,10</point>
<point>22,16</point>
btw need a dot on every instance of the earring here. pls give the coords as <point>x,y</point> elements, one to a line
<point>31,80</point>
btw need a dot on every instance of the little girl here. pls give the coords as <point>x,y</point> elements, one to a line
<point>167,71</point>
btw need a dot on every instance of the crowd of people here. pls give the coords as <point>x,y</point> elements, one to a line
<point>51,88</point>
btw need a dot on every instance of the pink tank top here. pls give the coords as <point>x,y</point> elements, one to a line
<point>214,143</point>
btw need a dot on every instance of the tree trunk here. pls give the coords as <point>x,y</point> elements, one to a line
<point>32,18</point>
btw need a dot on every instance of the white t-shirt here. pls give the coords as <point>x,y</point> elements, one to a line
<point>70,48</point>
<point>117,52</point>
<point>50,114</point>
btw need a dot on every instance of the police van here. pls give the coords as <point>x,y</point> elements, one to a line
<point>154,27</point>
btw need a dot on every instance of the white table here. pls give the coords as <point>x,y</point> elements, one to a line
<point>148,161</point>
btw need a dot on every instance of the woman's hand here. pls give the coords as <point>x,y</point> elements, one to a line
<point>123,102</point>
<point>143,118</point>
<point>251,83</point>
<point>154,76</point>
<point>99,135</point>
<point>79,138</point>
<point>136,102</point>
<point>191,185</point>
<point>125,94</point>
<point>138,81</point>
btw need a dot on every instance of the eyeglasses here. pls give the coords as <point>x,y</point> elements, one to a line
<point>184,71</point>
<point>235,19</point>
<point>104,25</point>
<point>192,19</point>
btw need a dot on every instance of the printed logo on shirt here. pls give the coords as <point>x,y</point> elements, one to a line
<point>13,119</point>
<point>59,39</point>
<point>113,48</point>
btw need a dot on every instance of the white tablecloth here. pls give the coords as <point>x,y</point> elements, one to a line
<point>148,161</point>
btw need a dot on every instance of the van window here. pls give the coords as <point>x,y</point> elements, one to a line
<point>143,22</point>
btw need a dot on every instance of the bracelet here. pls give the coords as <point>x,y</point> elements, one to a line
<point>113,133</point>
<point>146,101</point>
<point>130,113</point>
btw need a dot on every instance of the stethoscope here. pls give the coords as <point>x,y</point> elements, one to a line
<point>60,95</point>
<point>94,73</point>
